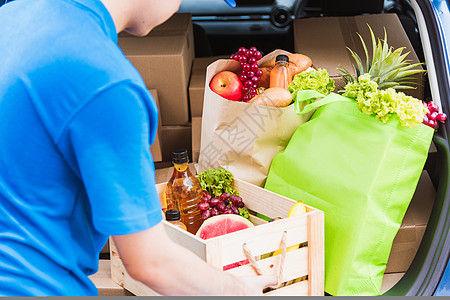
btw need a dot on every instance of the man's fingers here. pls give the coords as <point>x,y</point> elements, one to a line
<point>268,280</point>
<point>256,284</point>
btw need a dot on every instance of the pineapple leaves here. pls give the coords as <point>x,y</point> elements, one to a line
<point>388,67</point>
<point>346,76</point>
<point>368,63</point>
<point>373,45</point>
<point>359,69</point>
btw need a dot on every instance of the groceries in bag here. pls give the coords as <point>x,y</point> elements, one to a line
<point>358,159</point>
<point>252,81</point>
<point>241,137</point>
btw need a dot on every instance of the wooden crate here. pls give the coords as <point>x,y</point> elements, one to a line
<point>305,263</point>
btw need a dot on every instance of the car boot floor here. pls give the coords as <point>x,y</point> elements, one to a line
<point>389,280</point>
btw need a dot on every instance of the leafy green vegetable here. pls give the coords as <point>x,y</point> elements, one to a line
<point>217,181</point>
<point>319,81</point>
<point>384,103</point>
<point>243,212</point>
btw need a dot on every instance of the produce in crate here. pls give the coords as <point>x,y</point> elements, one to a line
<point>297,209</point>
<point>217,181</point>
<point>218,195</point>
<point>225,204</point>
<point>223,224</point>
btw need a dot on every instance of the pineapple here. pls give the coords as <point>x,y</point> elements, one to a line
<point>387,67</point>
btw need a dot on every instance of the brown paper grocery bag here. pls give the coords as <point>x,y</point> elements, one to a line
<point>243,137</point>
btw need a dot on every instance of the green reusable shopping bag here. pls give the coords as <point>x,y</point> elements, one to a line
<point>362,173</point>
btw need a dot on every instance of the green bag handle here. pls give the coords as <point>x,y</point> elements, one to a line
<point>310,95</point>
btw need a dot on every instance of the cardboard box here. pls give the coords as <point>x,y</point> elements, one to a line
<point>195,155</point>
<point>325,40</point>
<point>196,137</point>
<point>409,236</point>
<point>164,59</point>
<point>197,84</point>
<point>175,137</point>
<point>103,282</point>
<point>105,249</point>
<point>304,263</point>
<point>155,148</point>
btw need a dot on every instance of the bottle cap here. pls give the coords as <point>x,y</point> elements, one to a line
<point>173,215</point>
<point>282,57</point>
<point>180,156</point>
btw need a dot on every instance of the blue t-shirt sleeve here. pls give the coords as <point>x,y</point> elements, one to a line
<point>110,139</point>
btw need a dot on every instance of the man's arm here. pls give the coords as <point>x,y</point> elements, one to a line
<point>154,259</point>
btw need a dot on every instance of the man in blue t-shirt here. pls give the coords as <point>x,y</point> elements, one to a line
<point>76,124</point>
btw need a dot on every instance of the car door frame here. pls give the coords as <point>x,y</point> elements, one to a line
<point>432,259</point>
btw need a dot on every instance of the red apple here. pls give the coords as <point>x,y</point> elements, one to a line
<point>227,85</point>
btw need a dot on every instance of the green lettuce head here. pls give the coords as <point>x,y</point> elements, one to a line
<point>318,80</point>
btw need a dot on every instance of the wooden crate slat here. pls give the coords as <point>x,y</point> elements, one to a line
<point>316,255</point>
<point>160,188</point>
<point>188,240</point>
<point>296,289</point>
<point>263,238</point>
<point>214,253</point>
<point>112,246</point>
<point>263,201</point>
<point>295,266</point>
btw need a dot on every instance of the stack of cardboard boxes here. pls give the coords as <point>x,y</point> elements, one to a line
<point>196,93</point>
<point>164,59</point>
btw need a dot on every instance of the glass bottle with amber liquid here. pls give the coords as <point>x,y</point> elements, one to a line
<point>173,216</point>
<point>184,192</point>
<point>280,76</point>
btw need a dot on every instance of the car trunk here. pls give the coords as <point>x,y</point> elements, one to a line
<point>420,250</point>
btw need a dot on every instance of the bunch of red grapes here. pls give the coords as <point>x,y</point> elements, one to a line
<point>224,204</point>
<point>433,116</point>
<point>251,73</point>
